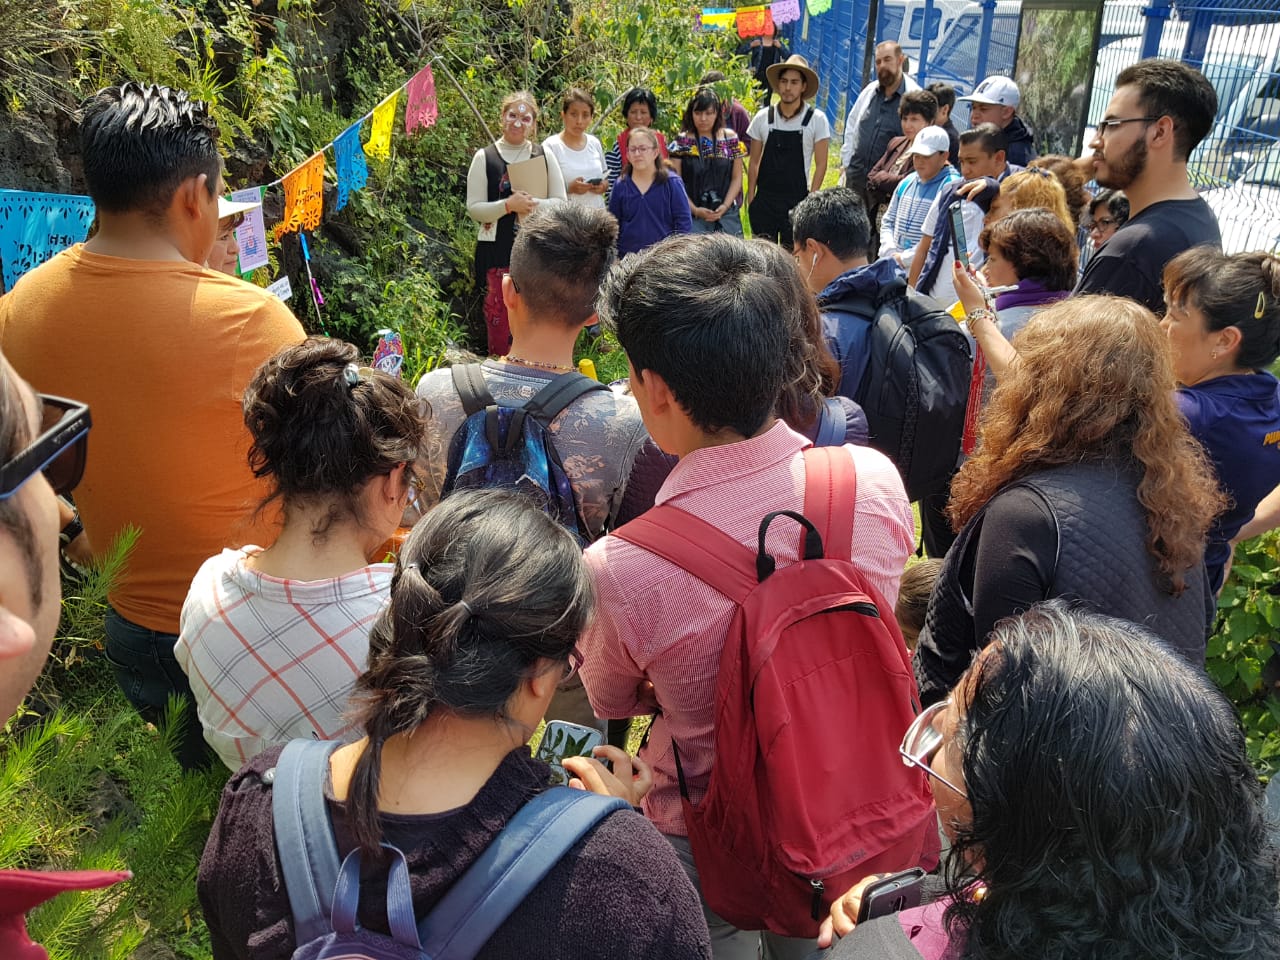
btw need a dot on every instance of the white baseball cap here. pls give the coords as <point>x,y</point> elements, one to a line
<point>998,90</point>
<point>929,141</point>
<point>229,208</point>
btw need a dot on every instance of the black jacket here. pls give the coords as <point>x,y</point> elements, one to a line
<point>1021,149</point>
<point>1082,532</point>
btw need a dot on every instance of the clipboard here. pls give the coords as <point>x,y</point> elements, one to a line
<point>530,176</point>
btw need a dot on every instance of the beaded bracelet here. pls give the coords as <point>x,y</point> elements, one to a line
<point>982,313</point>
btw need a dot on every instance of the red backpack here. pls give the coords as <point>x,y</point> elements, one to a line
<point>807,793</point>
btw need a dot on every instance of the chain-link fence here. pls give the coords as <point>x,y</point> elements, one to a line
<point>1236,43</point>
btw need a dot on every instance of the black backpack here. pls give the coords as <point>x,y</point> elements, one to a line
<point>916,387</point>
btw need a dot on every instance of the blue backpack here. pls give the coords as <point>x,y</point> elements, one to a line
<point>511,447</point>
<point>324,893</point>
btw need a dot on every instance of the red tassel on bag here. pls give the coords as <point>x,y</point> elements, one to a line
<point>974,407</point>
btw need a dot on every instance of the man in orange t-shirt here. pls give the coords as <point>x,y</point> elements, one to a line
<point>161,349</point>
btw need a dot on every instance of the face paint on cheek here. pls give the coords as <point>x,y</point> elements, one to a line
<point>519,119</point>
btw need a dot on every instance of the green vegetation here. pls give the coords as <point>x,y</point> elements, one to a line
<point>1248,623</point>
<point>83,781</point>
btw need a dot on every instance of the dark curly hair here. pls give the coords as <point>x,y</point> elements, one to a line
<point>487,589</point>
<point>1115,815</point>
<point>1037,245</point>
<point>1094,382</point>
<point>317,437</point>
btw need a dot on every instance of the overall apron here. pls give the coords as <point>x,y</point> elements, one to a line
<point>783,182</point>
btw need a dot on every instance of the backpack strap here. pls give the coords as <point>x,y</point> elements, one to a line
<point>695,546</point>
<point>771,115</point>
<point>304,835</point>
<point>808,115</point>
<point>513,864</point>
<point>831,423</point>
<point>468,380</point>
<point>830,495</point>
<point>547,403</point>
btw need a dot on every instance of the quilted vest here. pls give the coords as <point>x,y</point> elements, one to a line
<point>1102,562</point>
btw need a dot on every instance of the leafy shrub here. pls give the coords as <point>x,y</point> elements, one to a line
<point>1241,646</point>
<point>85,784</point>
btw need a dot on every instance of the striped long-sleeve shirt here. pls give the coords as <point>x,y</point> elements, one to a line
<point>900,230</point>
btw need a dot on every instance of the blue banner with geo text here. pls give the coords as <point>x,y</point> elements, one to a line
<point>35,226</point>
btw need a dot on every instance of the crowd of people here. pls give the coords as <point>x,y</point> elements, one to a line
<point>1018,730</point>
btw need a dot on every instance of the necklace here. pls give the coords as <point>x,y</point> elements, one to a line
<point>534,363</point>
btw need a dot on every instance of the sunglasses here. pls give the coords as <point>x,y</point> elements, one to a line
<point>59,450</point>
<point>922,741</point>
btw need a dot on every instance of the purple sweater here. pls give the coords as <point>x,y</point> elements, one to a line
<point>646,218</point>
<point>620,892</point>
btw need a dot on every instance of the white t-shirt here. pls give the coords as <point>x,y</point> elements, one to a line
<point>944,291</point>
<point>587,163</point>
<point>818,129</point>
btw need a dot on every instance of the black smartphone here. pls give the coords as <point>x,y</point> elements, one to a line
<point>892,894</point>
<point>596,181</point>
<point>562,739</point>
<point>959,243</point>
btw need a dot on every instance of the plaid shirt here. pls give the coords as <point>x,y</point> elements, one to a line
<point>656,622</point>
<point>270,660</point>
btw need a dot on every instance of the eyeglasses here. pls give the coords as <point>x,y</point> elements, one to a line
<point>59,451</point>
<point>641,148</point>
<point>922,741</point>
<point>1102,224</point>
<point>573,665</point>
<point>1108,126</point>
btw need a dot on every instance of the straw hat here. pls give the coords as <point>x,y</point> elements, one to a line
<point>795,62</point>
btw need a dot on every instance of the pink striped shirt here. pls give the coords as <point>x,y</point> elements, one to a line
<point>270,660</point>
<point>655,622</point>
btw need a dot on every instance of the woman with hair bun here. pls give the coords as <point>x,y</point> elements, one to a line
<point>1223,323</point>
<point>272,640</point>
<point>1085,484</point>
<point>489,598</point>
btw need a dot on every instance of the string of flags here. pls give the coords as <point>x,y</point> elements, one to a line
<point>35,226</point>
<point>759,20</point>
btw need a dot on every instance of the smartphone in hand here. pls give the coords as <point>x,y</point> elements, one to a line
<point>596,181</point>
<point>891,895</point>
<point>959,243</point>
<point>562,739</point>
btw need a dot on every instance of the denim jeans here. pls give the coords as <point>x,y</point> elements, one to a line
<point>149,675</point>
<point>730,222</point>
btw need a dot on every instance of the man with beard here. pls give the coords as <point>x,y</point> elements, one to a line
<point>786,140</point>
<point>1161,110</point>
<point>874,121</point>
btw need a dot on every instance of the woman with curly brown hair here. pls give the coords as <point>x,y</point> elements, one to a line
<point>1086,484</point>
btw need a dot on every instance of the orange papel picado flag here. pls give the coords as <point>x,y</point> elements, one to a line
<point>378,145</point>
<point>754,21</point>
<point>303,197</point>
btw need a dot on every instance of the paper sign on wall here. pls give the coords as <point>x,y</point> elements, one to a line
<point>251,235</point>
